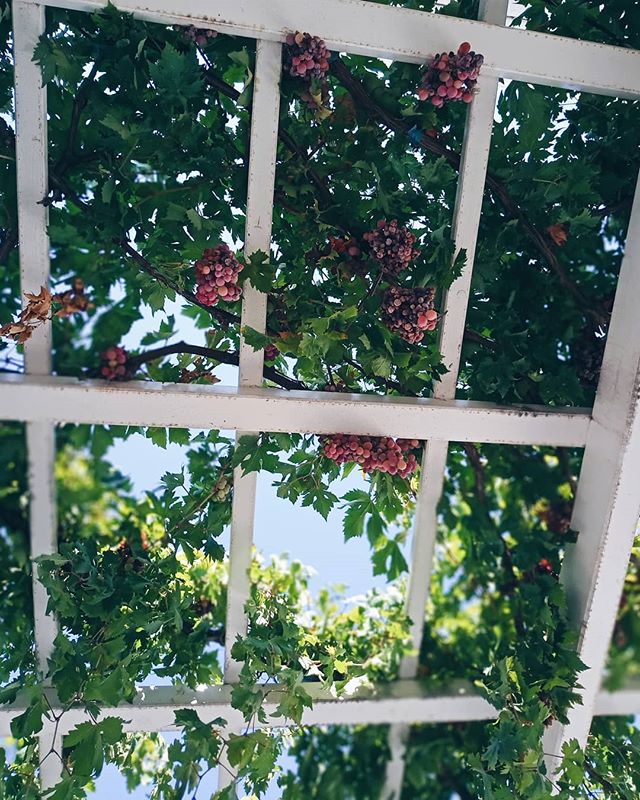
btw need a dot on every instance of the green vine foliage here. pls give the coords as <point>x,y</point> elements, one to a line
<point>148,154</point>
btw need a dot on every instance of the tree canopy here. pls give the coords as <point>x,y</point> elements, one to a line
<point>148,153</point>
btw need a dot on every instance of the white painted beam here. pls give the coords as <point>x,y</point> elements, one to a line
<point>607,502</point>
<point>402,701</point>
<point>32,178</point>
<point>622,702</point>
<point>262,165</point>
<point>425,524</point>
<point>405,34</point>
<point>265,110</point>
<point>31,168</point>
<point>153,707</point>
<point>50,753</point>
<point>68,400</point>
<point>394,773</point>
<point>41,449</point>
<point>31,172</point>
<point>468,208</point>
<point>466,220</point>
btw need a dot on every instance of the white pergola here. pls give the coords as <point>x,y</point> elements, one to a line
<point>608,498</point>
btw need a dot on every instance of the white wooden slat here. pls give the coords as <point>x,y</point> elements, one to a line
<point>394,773</point>
<point>50,743</point>
<point>265,111</point>
<point>67,400</point>
<point>32,177</point>
<point>404,701</point>
<point>261,179</point>
<point>262,161</point>
<point>468,208</point>
<point>43,526</point>
<point>32,172</point>
<point>622,702</point>
<point>408,35</point>
<point>31,165</point>
<point>434,462</point>
<point>607,502</point>
<point>466,220</point>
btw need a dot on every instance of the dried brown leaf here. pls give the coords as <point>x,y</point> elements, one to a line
<point>558,233</point>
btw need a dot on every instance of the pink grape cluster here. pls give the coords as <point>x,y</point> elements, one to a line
<point>271,352</point>
<point>199,36</point>
<point>373,453</point>
<point>217,276</point>
<point>557,517</point>
<point>306,56</point>
<point>114,364</point>
<point>338,386</point>
<point>409,312</point>
<point>392,246</point>
<point>451,76</point>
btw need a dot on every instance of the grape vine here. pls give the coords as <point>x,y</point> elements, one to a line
<point>148,144</point>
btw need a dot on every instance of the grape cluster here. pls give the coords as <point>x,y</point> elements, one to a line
<point>114,364</point>
<point>221,489</point>
<point>557,517</point>
<point>451,76</point>
<point>271,352</point>
<point>306,56</point>
<point>199,36</point>
<point>409,312</point>
<point>392,246</point>
<point>373,453</point>
<point>217,276</point>
<point>337,386</point>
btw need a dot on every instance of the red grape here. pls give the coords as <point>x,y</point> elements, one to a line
<point>114,364</point>
<point>306,56</point>
<point>451,76</point>
<point>373,453</point>
<point>409,312</point>
<point>217,276</point>
<point>392,246</point>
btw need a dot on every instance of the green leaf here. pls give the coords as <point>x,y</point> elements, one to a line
<point>260,271</point>
<point>31,719</point>
<point>177,77</point>
<point>158,436</point>
<point>255,339</point>
<point>110,690</point>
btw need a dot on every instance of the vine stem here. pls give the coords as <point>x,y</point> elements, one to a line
<point>194,510</point>
<point>52,750</point>
<point>218,313</point>
<point>372,289</point>
<point>79,103</point>
<point>223,356</point>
